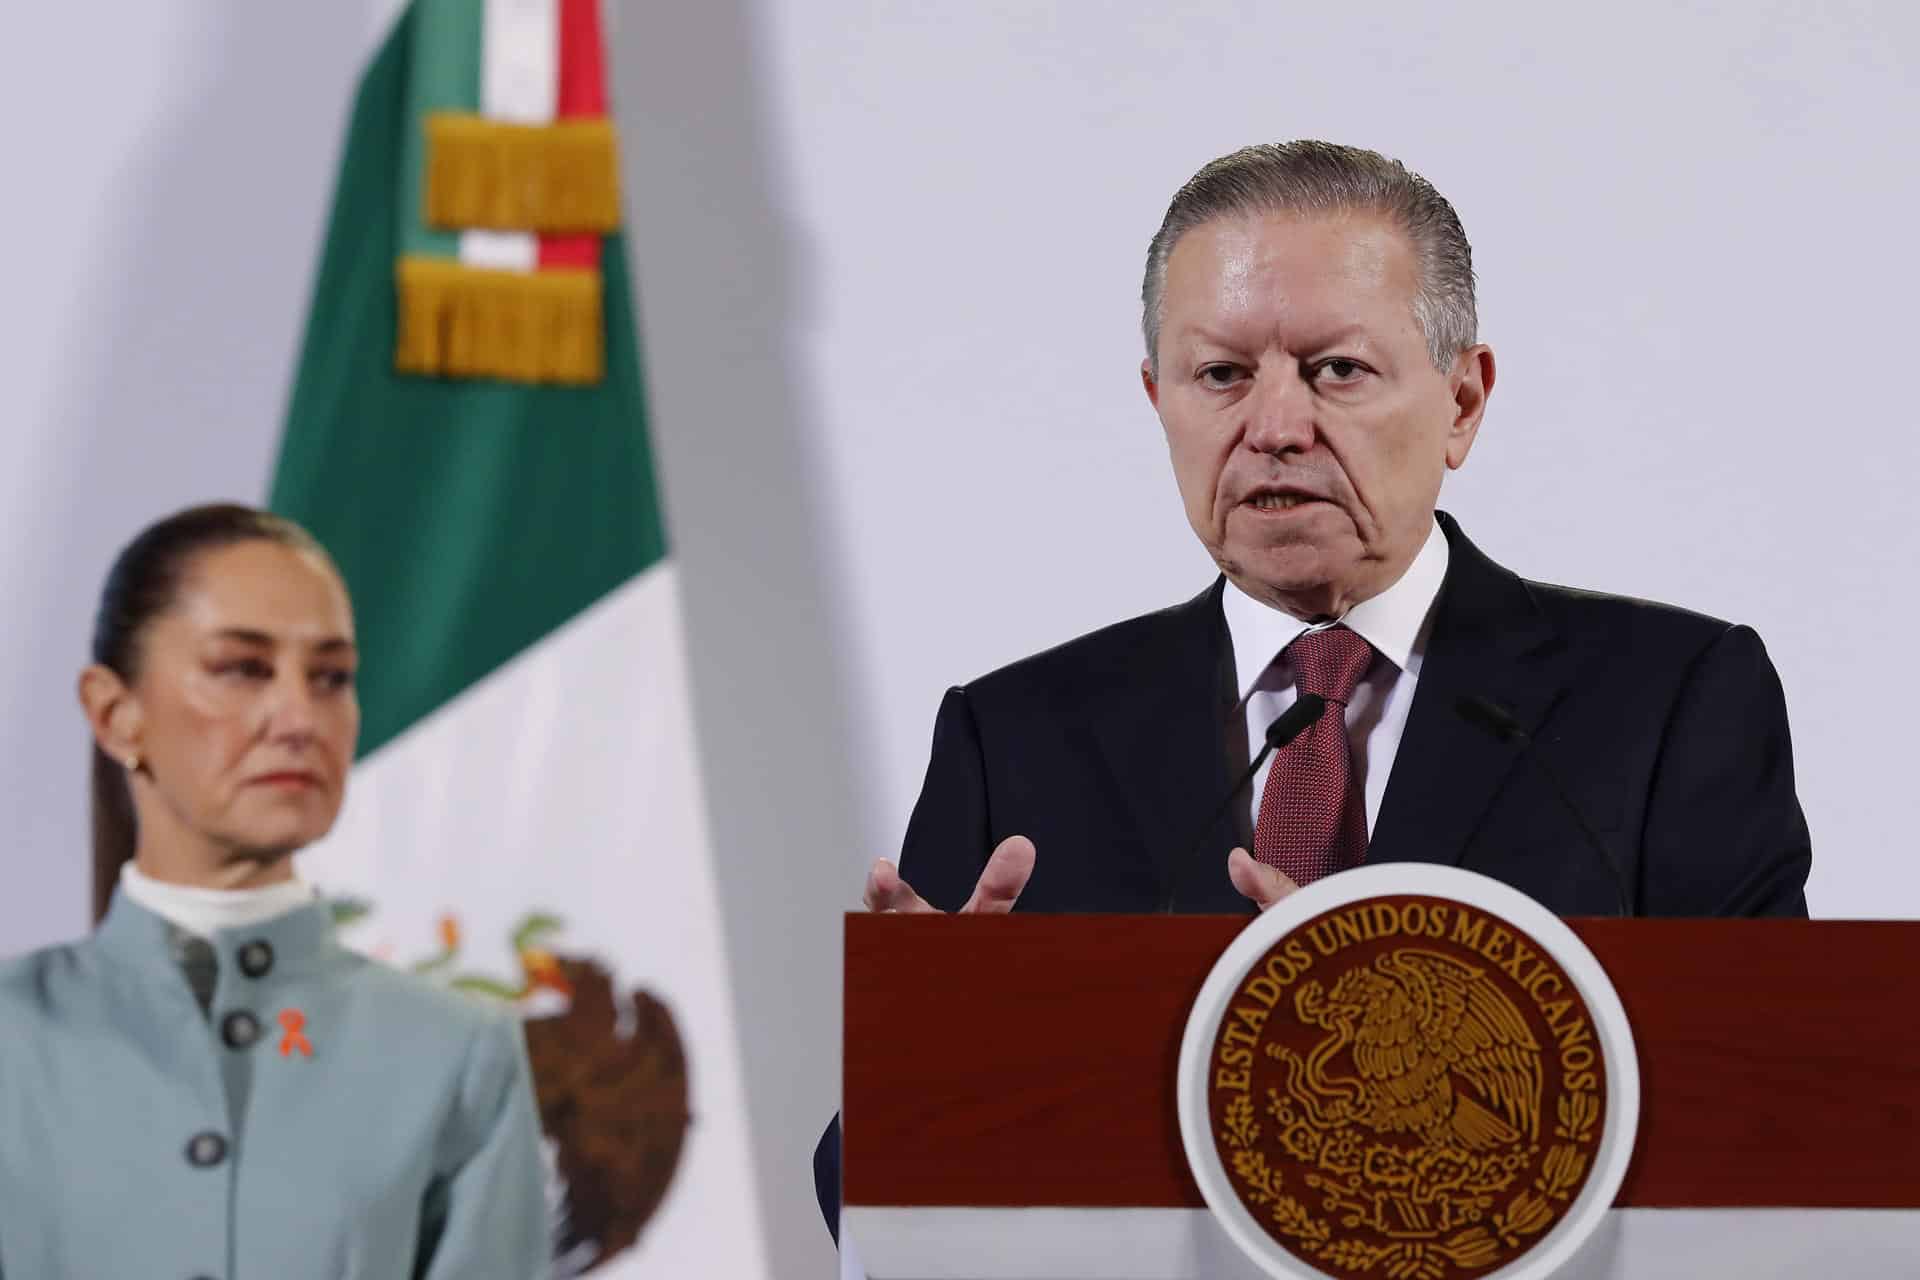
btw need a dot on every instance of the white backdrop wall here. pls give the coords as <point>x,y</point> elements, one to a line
<point>888,261</point>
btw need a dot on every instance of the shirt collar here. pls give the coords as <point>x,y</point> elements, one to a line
<point>202,912</point>
<point>302,939</point>
<point>1392,622</point>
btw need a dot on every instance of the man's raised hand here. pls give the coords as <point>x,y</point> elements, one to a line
<point>1257,880</point>
<point>999,886</point>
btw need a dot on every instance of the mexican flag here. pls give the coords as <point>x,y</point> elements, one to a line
<point>467,435</point>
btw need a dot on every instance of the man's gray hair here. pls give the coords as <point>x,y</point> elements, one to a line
<point>1308,177</point>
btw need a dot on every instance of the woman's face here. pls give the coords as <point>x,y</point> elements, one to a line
<point>243,712</point>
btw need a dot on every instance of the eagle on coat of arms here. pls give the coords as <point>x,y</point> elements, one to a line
<point>1438,1050</point>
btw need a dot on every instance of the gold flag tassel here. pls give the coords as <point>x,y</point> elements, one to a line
<point>457,321</point>
<point>557,178</point>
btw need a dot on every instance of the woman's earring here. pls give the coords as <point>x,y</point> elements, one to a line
<point>133,763</point>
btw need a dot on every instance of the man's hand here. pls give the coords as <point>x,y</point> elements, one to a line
<point>1000,883</point>
<point>1257,880</point>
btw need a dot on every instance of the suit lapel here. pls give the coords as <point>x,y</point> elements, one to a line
<point>1489,639</point>
<point>1160,728</point>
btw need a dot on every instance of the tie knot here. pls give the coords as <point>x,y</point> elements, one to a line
<point>1330,662</point>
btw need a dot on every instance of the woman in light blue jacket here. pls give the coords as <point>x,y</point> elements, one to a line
<point>210,1085</point>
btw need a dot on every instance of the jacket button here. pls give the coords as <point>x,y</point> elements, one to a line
<point>256,958</point>
<point>239,1029</point>
<point>206,1150</point>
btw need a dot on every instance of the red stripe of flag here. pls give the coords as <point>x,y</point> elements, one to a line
<point>583,92</point>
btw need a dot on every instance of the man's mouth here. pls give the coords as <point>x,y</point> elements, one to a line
<point>1279,501</point>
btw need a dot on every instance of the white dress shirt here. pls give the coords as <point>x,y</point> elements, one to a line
<point>1396,623</point>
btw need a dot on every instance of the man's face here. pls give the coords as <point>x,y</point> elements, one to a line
<point>1308,428</point>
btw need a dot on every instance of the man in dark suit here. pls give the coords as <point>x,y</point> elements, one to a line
<point>1668,728</point>
<point>1312,356</point>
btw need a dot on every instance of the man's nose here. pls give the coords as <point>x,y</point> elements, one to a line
<point>1280,411</point>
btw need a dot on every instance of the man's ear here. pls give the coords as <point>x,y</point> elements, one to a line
<point>1151,383</point>
<point>1473,375</point>
<point>113,713</point>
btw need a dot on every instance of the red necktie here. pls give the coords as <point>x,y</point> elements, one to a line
<point>1313,812</point>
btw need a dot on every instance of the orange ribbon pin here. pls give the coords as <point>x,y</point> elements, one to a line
<point>294,1023</point>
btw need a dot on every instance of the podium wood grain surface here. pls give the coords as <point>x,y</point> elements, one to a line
<point>1029,1060</point>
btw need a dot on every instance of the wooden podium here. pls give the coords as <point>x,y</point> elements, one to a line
<point>1008,1102</point>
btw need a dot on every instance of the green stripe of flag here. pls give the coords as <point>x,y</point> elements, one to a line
<point>444,75</point>
<point>469,518</point>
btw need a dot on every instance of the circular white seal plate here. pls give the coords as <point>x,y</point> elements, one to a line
<point>1425,880</point>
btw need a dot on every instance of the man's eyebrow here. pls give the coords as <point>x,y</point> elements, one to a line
<point>1356,332</point>
<point>1345,334</point>
<point>1211,337</point>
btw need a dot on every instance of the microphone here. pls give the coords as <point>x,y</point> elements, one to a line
<point>1286,726</point>
<point>1498,722</point>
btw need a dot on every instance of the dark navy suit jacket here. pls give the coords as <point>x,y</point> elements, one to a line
<point>1669,729</point>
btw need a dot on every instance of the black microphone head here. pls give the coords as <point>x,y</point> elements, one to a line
<point>1293,722</point>
<point>1484,713</point>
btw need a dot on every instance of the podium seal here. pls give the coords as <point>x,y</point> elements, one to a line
<point>1409,1072</point>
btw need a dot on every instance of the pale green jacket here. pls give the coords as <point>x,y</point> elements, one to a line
<point>328,1119</point>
